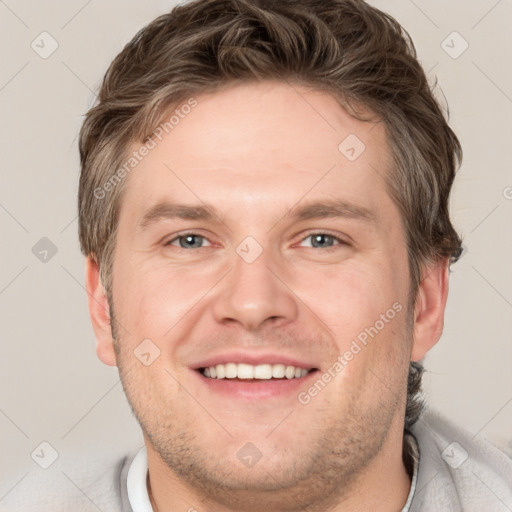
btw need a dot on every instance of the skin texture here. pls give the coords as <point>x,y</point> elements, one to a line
<point>254,152</point>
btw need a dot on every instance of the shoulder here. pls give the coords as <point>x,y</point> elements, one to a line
<point>81,482</point>
<point>459,470</point>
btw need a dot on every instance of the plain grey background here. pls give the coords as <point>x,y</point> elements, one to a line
<point>54,389</point>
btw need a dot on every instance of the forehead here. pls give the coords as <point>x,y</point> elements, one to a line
<point>269,142</point>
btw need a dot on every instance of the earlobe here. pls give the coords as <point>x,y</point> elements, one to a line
<point>429,308</point>
<point>99,312</point>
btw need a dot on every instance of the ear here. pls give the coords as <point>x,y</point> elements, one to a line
<point>99,312</point>
<point>429,308</point>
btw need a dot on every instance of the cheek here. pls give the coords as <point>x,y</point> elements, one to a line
<point>157,300</point>
<point>373,356</point>
<point>349,297</point>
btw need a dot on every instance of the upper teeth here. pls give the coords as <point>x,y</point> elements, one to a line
<point>248,371</point>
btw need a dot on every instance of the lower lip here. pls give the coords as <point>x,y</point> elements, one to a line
<point>257,389</point>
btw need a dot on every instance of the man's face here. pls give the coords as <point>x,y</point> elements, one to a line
<point>256,283</point>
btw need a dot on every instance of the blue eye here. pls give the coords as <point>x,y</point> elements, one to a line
<point>320,240</point>
<point>188,241</point>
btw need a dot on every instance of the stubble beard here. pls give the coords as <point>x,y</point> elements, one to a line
<point>318,476</point>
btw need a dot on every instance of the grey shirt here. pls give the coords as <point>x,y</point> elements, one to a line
<point>457,472</point>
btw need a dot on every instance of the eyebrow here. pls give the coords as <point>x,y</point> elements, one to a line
<point>331,209</point>
<point>167,210</point>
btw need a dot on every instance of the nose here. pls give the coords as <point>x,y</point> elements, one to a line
<point>254,294</point>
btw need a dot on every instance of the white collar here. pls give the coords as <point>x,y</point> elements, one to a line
<point>136,483</point>
<point>416,462</point>
<point>138,496</point>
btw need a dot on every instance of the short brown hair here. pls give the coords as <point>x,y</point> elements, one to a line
<point>357,53</point>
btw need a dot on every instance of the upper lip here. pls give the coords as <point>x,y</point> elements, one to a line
<point>254,359</point>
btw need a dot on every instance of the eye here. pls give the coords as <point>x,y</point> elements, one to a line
<point>188,241</point>
<point>321,240</point>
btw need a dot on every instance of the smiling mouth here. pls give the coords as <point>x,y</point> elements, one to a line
<point>247,372</point>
